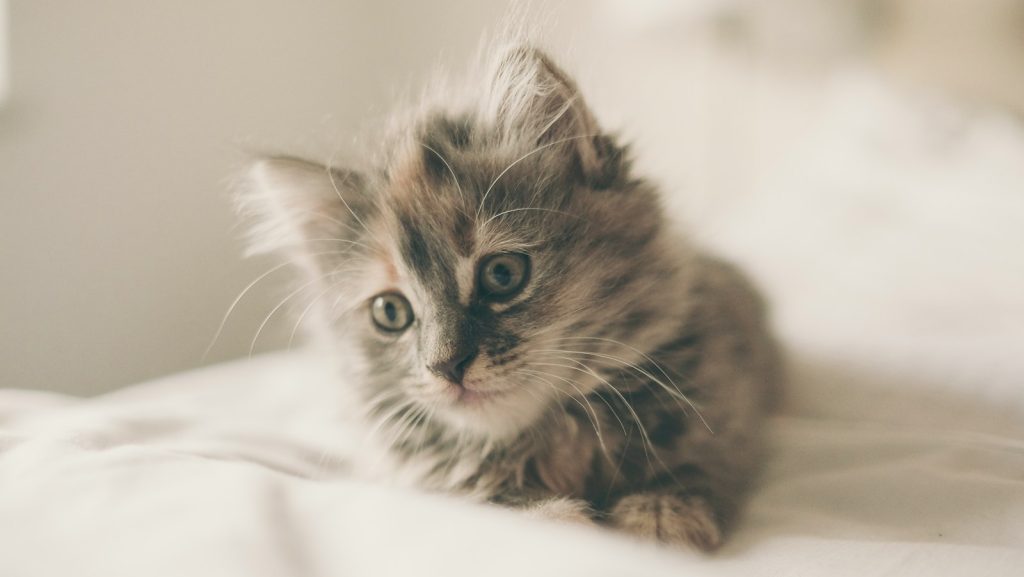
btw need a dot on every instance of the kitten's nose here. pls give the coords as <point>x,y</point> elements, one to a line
<point>454,368</point>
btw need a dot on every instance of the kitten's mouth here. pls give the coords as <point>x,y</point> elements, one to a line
<point>470,397</point>
<point>492,407</point>
<point>462,395</point>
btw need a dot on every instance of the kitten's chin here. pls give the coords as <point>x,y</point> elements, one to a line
<point>495,415</point>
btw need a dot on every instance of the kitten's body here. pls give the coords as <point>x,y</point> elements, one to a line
<point>595,453</point>
<point>624,381</point>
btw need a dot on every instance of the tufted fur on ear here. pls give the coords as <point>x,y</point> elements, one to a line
<point>298,206</point>
<point>533,100</point>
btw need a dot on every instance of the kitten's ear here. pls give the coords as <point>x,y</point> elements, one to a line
<point>296,204</point>
<point>533,98</point>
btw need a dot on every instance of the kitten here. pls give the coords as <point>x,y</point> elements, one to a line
<point>521,322</point>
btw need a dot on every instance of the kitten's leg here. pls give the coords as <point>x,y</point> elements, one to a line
<point>563,509</point>
<point>685,520</point>
<point>734,371</point>
<point>692,511</point>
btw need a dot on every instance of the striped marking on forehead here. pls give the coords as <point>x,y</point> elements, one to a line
<point>439,255</point>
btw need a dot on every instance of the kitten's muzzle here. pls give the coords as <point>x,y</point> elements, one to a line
<point>453,369</point>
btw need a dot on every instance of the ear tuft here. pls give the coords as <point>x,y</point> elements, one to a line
<point>534,100</point>
<point>293,202</point>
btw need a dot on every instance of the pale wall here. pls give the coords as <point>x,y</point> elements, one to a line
<point>118,247</point>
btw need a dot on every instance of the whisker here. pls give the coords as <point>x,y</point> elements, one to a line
<point>591,414</point>
<point>460,445</point>
<point>321,216</point>
<point>224,320</point>
<point>569,102</point>
<point>341,197</point>
<point>582,367</point>
<point>611,409</point>
<point>646,443</point>
<point>503,213</point>
<point>450,170</point>
<point>400,411</point>
<point>344,240</point>
<point>520,159</point>
<point>428,411</point>
<point>305,311</point>
<point>290,296</point>
<point>326,458</point>
<point>673,391</point>
<point>674,394</point>
<point>373,403</point>
<point>238,299</point>
<point>632,348</point>
<point>405,427</point>
<point>337,191</point>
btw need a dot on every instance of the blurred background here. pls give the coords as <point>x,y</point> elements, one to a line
<point>864,159</point>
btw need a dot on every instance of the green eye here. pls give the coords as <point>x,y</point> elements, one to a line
<point>503,275</point>
<point>391,312</point>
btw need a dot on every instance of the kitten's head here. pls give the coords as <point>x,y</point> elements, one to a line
<point>495,264</point>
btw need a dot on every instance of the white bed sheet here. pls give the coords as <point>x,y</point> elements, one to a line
<point>228,471</point>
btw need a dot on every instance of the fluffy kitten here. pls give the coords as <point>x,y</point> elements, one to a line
<point>521,322</point>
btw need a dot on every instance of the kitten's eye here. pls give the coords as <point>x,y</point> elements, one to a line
<point>503,275</point>
<point>391,312</point>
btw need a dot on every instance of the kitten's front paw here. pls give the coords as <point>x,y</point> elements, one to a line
<point>686,521</point>
<point>561,509</point>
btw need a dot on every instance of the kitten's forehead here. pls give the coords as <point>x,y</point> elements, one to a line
<point>441,248</point>
<point>427,249</point>
<point>455,194</point>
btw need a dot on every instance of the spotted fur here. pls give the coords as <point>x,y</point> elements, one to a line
<point>625,385</point>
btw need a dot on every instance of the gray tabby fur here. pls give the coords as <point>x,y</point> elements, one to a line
<point>626,385</point>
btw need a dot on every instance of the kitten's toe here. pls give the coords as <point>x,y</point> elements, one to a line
<point>561,509</point>
<point>687,521</point>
